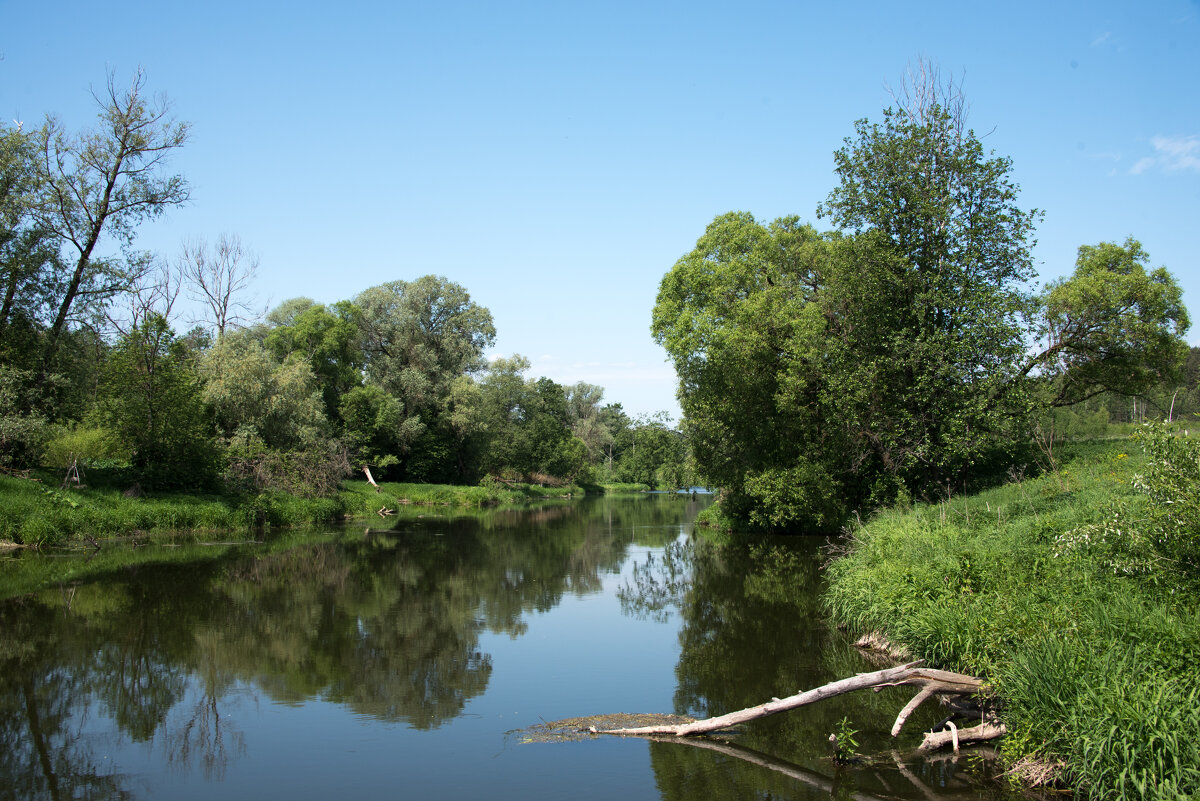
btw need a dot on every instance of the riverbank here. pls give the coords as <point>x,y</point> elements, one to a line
<point>34,510</point>
<point>1063,593</point>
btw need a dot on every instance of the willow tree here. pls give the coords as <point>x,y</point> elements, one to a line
<point>417,339</point>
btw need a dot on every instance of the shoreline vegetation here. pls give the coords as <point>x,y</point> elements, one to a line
<point>38,511</point>
<point>1057,591</point>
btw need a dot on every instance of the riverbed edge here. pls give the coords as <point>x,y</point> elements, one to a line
<point>34,511</point>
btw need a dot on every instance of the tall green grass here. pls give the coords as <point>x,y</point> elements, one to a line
<point>1095,665</point>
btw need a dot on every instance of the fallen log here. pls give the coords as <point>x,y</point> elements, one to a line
<point>776,705</point>
<point>976,734</point>
<point>946,685</point>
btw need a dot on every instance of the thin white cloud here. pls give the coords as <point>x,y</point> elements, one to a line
<point>1171,154</point>
<point>1101,39</point>
<point>1142,165</point>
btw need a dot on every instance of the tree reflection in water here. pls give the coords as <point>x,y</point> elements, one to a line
<point>385,623</point>
<point>752,628</point>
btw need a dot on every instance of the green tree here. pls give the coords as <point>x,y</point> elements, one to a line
<point>327,338</point>
<point>1112,326</point>
<point>29,265</point>
<point>251,393</point>
<point>375,427</point>
<point>419,336</point>
<point>28,276</point>
<point>655,454</point>
<point>151,396</point>
<point>583,411</point>
<point>502,393</point>
<point>821,373</point>
<point>417,339</point>
<point>739,318</point>
<point>23,427</point>
<point>950,264</point>
<point>525,425</point>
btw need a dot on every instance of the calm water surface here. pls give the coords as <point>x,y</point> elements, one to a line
<point>404,663</point>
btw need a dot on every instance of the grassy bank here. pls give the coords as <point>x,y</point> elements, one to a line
<point>35,511</point>
<point>1072,594</point>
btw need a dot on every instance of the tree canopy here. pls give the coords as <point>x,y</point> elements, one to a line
<point>825,372</point>
<point>92,366</point>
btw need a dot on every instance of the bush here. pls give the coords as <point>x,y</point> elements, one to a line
<point>1156,535</point>
<point>91,445</point>
<point>316,471</point>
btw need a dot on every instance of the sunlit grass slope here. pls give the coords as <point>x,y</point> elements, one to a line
<point>1093,651</point>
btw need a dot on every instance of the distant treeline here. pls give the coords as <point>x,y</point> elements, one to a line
<point>96,369</point>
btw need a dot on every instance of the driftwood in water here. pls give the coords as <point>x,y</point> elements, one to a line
<point>954,736</point>
<point>942,683</point>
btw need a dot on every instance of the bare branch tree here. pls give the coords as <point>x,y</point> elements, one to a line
<point>217,279</point>
<point>153,291</point>
<point>922,89</point>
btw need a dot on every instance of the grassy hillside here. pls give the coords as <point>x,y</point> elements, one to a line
<point>1074,593</point>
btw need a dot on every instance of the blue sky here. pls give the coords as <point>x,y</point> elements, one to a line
<point>557,158</point>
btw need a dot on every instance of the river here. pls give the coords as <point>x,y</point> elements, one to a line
<point>411,661</point>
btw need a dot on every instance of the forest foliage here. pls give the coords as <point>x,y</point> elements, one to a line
<point>907,348</point>
<point>98,367</point>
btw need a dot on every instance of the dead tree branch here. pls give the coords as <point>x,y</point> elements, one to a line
<point>951,688</point>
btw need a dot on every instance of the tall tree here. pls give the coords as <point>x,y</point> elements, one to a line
<point>327,338</point>
<point>28,254</point>
<point>417,338</point>
<point>945,216</point>
<point>583,411</point>
<point>102,184</point>
<point>738,317</point>
<point>151,397</point>
<point>821,373</point>
<point>249,393</point>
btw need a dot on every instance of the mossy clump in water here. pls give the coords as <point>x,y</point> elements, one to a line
<point>557,731</point>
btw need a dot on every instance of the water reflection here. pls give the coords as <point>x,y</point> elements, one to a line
<point>751,629</point>
<point>235,664</point>
<point>386,623</point>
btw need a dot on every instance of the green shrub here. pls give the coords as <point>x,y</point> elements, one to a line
<point>91,445</point>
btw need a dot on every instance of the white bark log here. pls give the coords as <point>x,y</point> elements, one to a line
<point>910,707</point>
<point>880,678</point>
<point>980,733</point>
